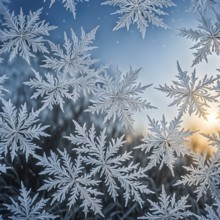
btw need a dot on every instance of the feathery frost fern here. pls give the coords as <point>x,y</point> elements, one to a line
<point>164,143</point>
<point>69,181</point>
<point>28,207</point>
<point>74,58</point>
<point>119,97</point>
<point>191,94</point>
<point>99,175</point>
<point>140,12</point>
<point>55,89</point>
<point>207,38</point>
<point>168,208</point>
<point>202,5</point>
<point>106,161</point>
<point>18,129</point>
<point>69,5</point>
<point>23,34</point>
<point>204,174</point>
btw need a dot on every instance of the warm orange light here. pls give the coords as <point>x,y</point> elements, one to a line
<point>212,124</point>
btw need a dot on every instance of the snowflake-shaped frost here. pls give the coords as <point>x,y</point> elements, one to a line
<point>18,129</point>
<point>168,208</point>
<point>207,38</point>
<point>202,5</point>
<point>164,142</point>
<point>3,167</point>
<point>55,89</point>
<point>2,89</point>
<point>204,174</point>
<point>74,58</point>
<point>211,213</point>
<point>69,5</point>
<point>23,34</point>
<point>217,87</point>
<point>27,207</point>
<point>108,163</point>
<point>119,98</point>
<point>69,181</point>
<point>190,94</point>
<point>213,139</point>
<point>141,12</point>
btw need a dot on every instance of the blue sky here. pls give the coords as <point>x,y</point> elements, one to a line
<point>156,54</point>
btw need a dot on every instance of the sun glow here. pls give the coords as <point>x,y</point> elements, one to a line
<point>197,141</point>
<point>212,118</point>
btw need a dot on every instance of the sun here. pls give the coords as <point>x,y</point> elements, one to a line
<point>212,118</point>
<point>212,121</point>
<point>210,125</point>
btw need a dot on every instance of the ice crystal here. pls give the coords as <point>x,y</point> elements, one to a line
<point>119,97</point>
<point>141,12</point>
<point>3,167</point>
<point>23,34</point>
<point>18,129</point>
<point>204,174</point>
<point>74,58</point>
<point>69,5</point>
<point>168,208</point>
<point>2,89</point>
<point>191,94</point>
<point>106,161</point>
<point>69,181</point>
<point>207,38</point>
<point>54,89</point>
<point>211,213</point>
<point>202,5</point>
<point>27,207</point>
<point>164,142</point>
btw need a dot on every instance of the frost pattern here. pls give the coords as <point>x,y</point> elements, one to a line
<point>18,129</point>
<point>191,94</point>
<point>55,89</point>
<point>211,214</point>
<point>3,167</point>
<point>23,34</point>
<point>119,97</point>
<point>2,89</point>
<point>141,12</point>
<point>164,142</point>
<point>206,37</point>
<point>69,181</point>
<point>106,161</point>
<point>69,5</point>
<point>27,207</point>
<point>168,208</point>
<point>202,5</point>
<point>100,163</point>
<point>204,174</point>
<point>74,58</point>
